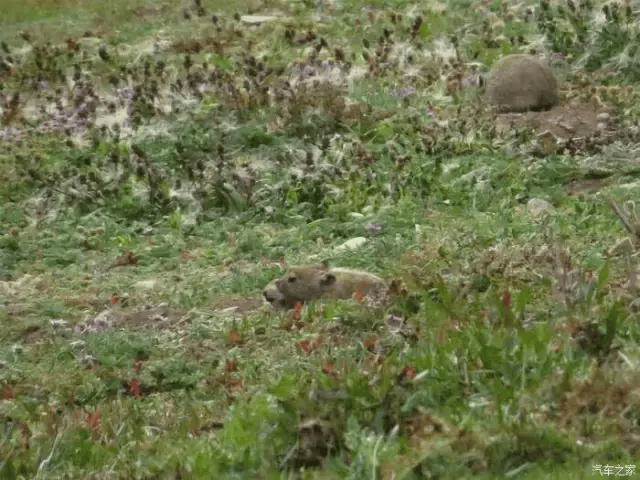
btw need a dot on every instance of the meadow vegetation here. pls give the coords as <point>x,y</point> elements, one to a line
<point>161,163</point>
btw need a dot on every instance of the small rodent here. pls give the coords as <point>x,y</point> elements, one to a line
<point>519,83</point>
<point>310,282</point>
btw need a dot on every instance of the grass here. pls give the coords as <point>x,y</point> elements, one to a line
<point>117,21</point>
<point>156,172</point>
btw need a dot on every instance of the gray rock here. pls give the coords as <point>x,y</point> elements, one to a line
<point>538,208</point>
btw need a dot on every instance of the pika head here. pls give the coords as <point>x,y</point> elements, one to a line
<point>307,282</point>
<point>275,297</point>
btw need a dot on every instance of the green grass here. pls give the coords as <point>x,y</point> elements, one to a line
<point>118,20</point>
<point>179,163</point>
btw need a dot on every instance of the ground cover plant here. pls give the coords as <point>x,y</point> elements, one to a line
<point>161,163</point>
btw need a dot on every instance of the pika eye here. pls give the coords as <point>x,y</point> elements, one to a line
<point>292,279</point>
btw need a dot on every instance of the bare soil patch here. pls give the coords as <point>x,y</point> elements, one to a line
<point>239,305</point>
<point>576,123</point>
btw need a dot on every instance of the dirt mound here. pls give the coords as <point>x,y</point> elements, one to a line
<point>519,83</point>
<point>578,124</point>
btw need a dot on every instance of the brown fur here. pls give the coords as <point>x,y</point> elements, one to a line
<point>310,282</point>
<point>522,82</point>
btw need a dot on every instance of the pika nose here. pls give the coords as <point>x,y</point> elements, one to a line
<point>270,296</point>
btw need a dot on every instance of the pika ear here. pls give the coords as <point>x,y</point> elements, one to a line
<point>327,279</point>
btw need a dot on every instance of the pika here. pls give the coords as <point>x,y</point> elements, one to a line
<point>518,83</point>
<point>310,282</point>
